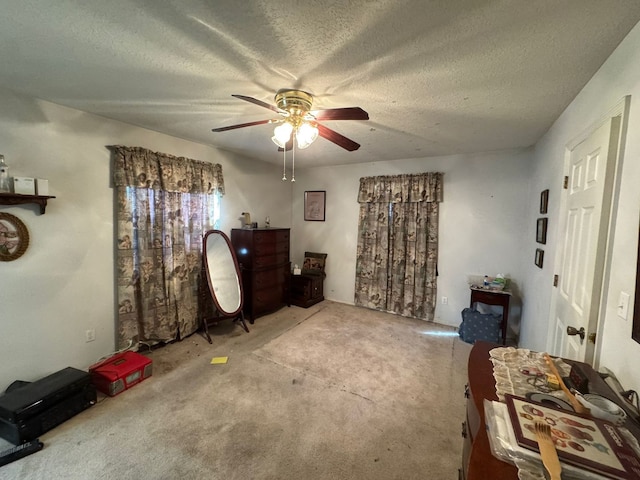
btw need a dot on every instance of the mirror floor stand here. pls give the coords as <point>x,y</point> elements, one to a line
<point>206,323</point>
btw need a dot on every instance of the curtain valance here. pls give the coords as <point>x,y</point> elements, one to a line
<point>142,168</point>
<point>408,188</point>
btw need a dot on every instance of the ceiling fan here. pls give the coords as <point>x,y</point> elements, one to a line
<point>298,121</point>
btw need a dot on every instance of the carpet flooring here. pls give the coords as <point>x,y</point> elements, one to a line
<point>330,392</point>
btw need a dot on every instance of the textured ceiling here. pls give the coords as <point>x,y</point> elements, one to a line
<point>436,77</point>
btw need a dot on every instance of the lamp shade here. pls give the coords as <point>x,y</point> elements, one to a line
<point>282,134</point>
<point>306,135</point>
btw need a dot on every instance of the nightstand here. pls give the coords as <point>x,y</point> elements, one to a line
<point>306,290</point>
<point>494,297</point>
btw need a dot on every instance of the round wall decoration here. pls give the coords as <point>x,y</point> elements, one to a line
<point>14,237</point>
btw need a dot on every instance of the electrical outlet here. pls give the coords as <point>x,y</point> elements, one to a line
<point>623,305</point>
<point>445,300</point>
<point>90,335</point>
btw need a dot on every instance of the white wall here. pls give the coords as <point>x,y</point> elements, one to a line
<point>482,221</point>
<point>64,283</point>
<point>618,77</point>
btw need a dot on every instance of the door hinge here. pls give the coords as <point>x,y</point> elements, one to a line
<point>565,183</point>
<point>555,280</point>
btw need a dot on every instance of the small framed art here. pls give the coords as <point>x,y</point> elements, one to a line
<point>315,203</point>
<point>541,231</point>
<point>539,257</point>
<point>544,201</point>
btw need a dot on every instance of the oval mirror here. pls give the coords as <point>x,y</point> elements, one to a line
<point>223,277</point>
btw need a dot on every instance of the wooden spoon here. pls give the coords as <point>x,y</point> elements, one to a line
<point>575,403</point>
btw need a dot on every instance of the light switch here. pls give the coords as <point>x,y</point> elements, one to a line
<point>623,305</point>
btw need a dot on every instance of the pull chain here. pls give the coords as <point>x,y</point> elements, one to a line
<point>293,158</point>
<point>284,164</point>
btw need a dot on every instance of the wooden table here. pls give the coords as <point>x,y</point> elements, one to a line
<point>494,297</point>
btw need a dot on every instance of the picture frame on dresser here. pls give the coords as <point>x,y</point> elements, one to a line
<point>315,202</point>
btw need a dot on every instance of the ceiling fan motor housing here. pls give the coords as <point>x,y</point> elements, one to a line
<point>296,102</point>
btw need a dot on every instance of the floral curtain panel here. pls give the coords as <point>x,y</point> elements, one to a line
<point>396,265</point>
<point>164,206</point>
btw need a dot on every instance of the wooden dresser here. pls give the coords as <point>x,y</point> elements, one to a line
<point>478,463</point>
<point>263,255</point>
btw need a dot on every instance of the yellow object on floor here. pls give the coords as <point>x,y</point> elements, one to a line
<point>219,360</point>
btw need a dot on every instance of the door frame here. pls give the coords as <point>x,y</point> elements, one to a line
<point>621,110</point>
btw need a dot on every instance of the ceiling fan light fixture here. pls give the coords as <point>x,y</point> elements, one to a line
<point>282,134</point>
<point>306,135</point>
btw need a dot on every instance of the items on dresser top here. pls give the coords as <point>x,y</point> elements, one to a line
<point>513,371</point>
<point>603,408</point>
<point>495,372</point>
<point>518,371</point>
<point>588,448</point>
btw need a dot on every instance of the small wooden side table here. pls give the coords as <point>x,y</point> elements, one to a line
<point>493,297</point>
<point>306,290</point>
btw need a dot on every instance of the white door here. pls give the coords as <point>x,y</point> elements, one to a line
<point>583,241</point>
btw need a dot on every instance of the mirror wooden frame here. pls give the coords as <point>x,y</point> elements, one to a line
<point>237,314</point>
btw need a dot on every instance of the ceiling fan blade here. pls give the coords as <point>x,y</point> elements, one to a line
<point>241,125</point>
<point>349,113</point>
<point>258,102</point>
<point>338,139</point>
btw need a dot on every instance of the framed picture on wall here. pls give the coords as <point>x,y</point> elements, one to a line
<point>544,201</point>
<point>314,205</point>
<point>539,257</point>
<point>541,231</point>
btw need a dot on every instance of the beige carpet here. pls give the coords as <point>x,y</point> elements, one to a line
<point>329,392</point>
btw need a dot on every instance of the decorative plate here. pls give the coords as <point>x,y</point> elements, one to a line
<point>14,237</point>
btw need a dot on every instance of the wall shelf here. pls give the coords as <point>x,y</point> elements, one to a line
<point>17,199</point>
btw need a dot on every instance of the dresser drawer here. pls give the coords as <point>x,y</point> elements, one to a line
<point>270,237</point>
<point>268,299</point>
<point>270,260</point>
<point>270,248</point>
<point>268,278</point>
<point>473,417</point>
<point>264,249</point>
